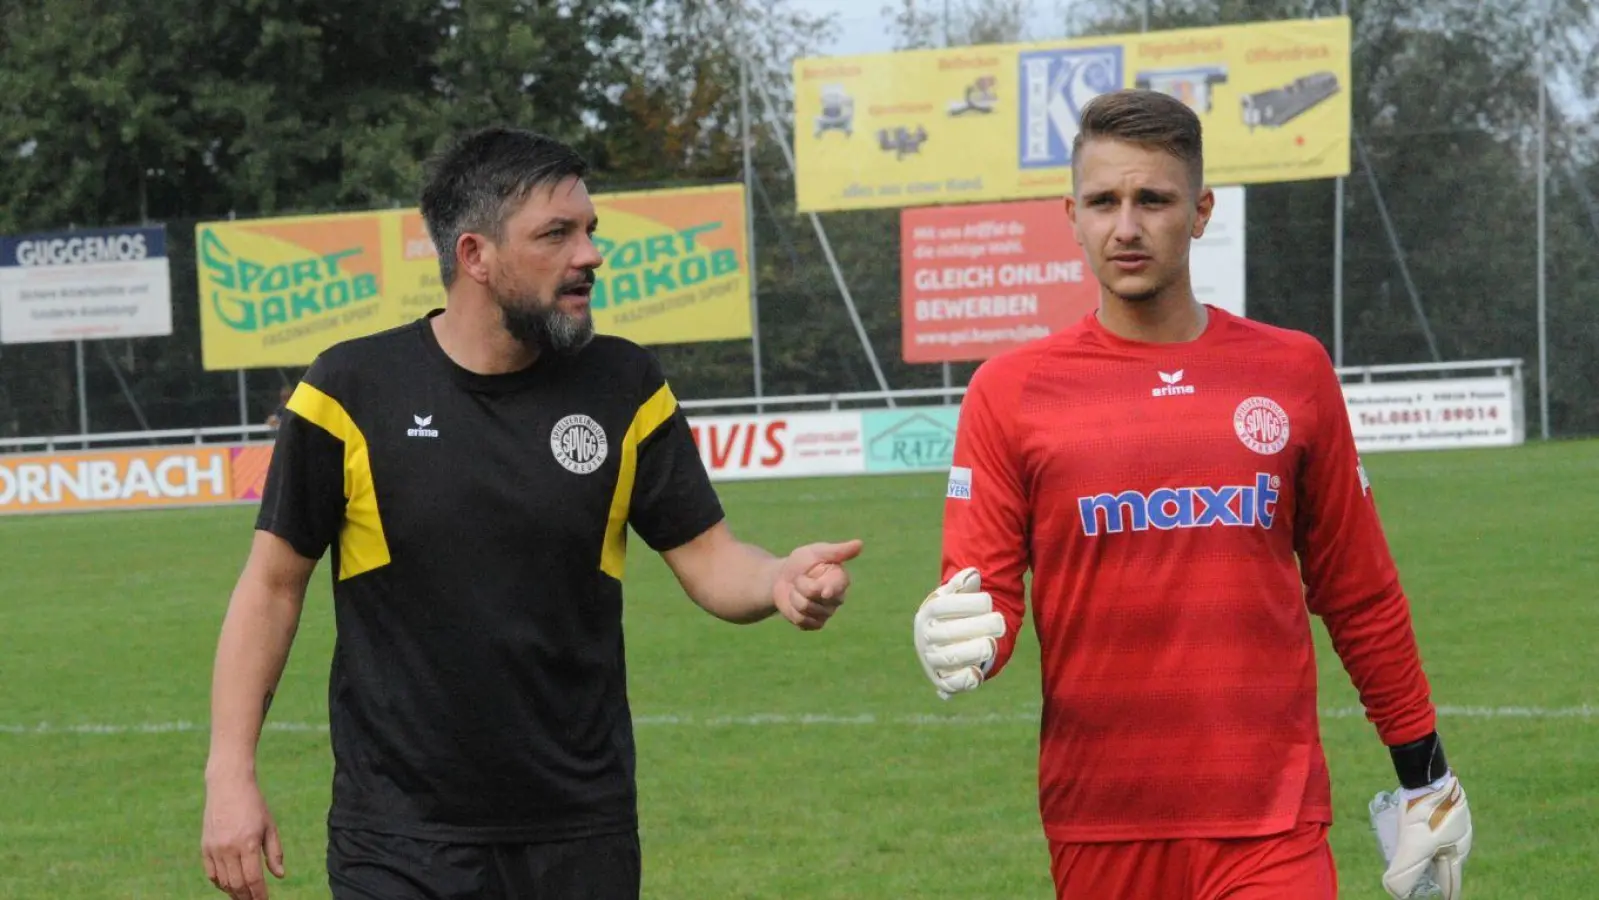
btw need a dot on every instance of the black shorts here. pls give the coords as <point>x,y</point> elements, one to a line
<point>365,865</point>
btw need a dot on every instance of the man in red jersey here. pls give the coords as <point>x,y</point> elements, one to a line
<point>1184,487</point>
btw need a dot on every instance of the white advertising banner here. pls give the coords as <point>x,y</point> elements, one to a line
<point>1216,261</point>
<point>89,284</point>
<point>1434,414</point>
<point>780,446</point>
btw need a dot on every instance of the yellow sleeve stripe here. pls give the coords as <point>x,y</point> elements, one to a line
<point>362,546</point>
<point>651,415</point>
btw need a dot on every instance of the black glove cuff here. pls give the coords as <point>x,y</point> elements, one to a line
<point>1420,763</point>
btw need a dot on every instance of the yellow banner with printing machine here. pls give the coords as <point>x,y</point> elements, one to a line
<point>996,122</point>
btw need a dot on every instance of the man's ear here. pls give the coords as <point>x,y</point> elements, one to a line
<point>1071,216</point>
<point>1206,205</point>
<point>474,256</point>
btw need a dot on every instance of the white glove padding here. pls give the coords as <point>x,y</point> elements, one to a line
<point>1430,835</point>
<point>957,632</point>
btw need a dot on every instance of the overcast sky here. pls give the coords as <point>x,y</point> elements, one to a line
<point>864,29</point>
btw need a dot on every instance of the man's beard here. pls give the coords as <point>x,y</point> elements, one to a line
<point>546,328</point>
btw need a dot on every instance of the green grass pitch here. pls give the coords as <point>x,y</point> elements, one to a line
<point>781,764</point>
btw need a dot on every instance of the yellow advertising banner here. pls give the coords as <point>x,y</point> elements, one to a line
<point>676,265</point>
<point>278,291</point>
<point>996,122</point>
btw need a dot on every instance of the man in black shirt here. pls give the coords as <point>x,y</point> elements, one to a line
<point>474,474</point>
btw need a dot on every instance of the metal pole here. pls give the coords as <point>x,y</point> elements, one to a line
<point>127,392</point>
<point>1143,16</point>
<point>749,223</point>
<point>83,394</point>
<point>244,407</point>
<point>1338,251</point>
<point>1338,272</point>
<point>767,108</point>
<point>945,365</point>
<point>1543,313</point>
<point>1399,253</point>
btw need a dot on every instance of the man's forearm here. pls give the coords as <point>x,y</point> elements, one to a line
<point>251,653</point>
<point>738,586</point>
<point>1374,640</point>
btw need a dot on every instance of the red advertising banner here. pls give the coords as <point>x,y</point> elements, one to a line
<point>980,279</point>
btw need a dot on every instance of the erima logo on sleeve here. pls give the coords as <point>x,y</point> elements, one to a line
<point>1238,505</point>
<point>960,483</point>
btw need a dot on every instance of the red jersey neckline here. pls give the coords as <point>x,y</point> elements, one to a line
<point>1214,320</point>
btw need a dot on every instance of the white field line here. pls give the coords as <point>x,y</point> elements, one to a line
<point>1584,712</point>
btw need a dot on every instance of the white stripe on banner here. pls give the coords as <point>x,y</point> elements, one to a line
<point>759,719</point>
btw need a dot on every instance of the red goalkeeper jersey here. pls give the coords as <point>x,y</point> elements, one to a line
<point>1183,509</point>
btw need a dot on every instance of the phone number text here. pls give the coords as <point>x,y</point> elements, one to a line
<point>1422,416</point>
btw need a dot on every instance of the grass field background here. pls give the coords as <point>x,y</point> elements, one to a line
<point>781,764</point>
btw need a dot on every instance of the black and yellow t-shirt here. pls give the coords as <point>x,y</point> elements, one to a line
<point>478,529</point>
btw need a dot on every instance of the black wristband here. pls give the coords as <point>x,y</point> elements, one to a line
<point>1420,763</point>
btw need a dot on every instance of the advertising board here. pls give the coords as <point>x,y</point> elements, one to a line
<point>115,479</point>
<point>87,284</point>
<point>1434,414</point>
<point>779,446</point>
<point>998,121</point>
<point>278,291</point>
<point>979,279</point>
<point>1398,415</point>
<point>915,439</point>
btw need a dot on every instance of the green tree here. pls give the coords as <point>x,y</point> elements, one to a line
<point>180,110</point>
<point>172,111</point>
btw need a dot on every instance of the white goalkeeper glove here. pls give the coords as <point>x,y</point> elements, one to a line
<point>957,634</point>
<point>1426,837</point>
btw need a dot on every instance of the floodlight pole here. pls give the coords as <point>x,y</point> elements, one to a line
<point>749,223</point>
<point>1543,312</point>
<point>944,367</point>
<point>1338,272</point>
<point>1338,250</point>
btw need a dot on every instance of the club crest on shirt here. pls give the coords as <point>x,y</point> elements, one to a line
<point>579,444</point>
<point>1262,425</point>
